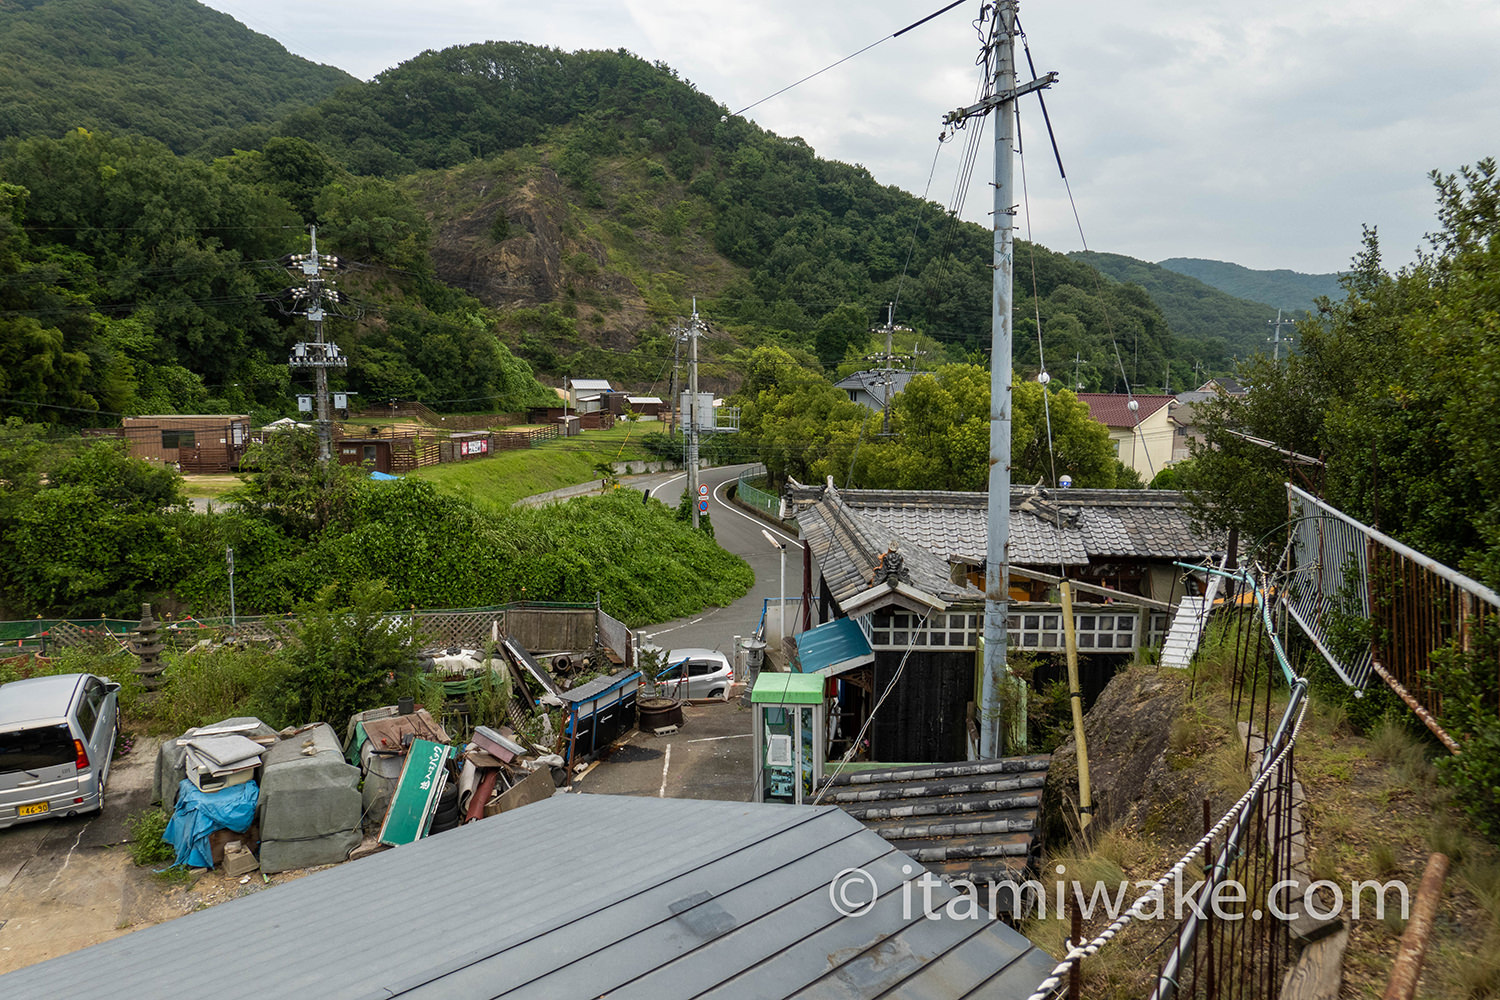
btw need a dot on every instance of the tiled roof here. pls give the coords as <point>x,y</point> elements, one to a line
<point>1047,527</point>
<point>973,820</point>
<point>874,382</point>
<point>847,545</point>
<point>1113,409</point>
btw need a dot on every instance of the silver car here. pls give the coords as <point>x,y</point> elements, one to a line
<point>57,736</point>
<point>707,673</point>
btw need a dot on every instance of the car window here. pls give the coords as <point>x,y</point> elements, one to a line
<point>88,713</point>
<point>700,667</point>
<point>95,699</point>
<point>672,673</point>
<point>34,749</point>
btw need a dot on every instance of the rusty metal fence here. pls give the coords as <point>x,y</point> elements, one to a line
<point>1346,574</point>
<point>1222,923</point>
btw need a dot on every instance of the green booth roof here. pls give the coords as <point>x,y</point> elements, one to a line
<point>787,689</point>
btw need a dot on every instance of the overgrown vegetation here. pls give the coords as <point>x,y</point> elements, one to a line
<point>297,528</point>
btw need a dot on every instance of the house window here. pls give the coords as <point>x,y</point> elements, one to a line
<point>177,439</point>
<point>939,630</point>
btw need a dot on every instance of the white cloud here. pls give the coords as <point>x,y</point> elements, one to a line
<point>1262,134</point>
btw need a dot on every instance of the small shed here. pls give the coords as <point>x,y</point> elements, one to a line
<point>465,445</point>
<point>197,442</point>
<point>373,453</point>
<point>650,407</point>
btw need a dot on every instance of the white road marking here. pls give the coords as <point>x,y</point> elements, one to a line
<point>662,485</point>
<point>666,761</point>
<point>710,739</point>
<point>754,520</point>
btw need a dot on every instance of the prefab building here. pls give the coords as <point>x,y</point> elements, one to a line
<point>212,442</point>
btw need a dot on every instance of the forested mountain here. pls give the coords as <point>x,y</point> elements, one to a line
<point>1283,289</point>
<point>1194,309</point>
<point>173,70</point>
<point>653,196</point>
<point>500,203</point>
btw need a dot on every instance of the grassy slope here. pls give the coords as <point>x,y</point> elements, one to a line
<point>502,479</point>
<point>507,476</point>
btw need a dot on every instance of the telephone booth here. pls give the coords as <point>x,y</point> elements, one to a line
<point>789,716</point>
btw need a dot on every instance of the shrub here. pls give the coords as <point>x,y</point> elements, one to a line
<point>146,845</point>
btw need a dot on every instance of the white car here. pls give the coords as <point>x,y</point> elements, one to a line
<point>707,673</point>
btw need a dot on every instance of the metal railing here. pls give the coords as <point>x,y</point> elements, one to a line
<point>1347,573</point>
<point>749,493</point>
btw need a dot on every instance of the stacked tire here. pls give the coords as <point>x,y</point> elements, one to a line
<point>447,816</point>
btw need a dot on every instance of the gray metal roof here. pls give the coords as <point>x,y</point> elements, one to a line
<point>578,895</point>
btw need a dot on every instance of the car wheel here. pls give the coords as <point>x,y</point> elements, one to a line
<point>716,693</point>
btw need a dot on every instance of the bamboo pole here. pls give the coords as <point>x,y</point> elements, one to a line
<point>1075,695</point>
<point>1413,947</point>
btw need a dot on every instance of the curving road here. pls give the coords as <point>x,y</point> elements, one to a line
<point>740,533</point>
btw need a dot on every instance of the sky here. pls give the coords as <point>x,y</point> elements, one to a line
<point>1263,134</point>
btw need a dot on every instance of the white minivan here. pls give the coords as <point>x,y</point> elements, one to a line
<point>57,736</point>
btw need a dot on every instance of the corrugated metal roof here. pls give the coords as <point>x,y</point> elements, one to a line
<point>578,895</point>
<point>833,647</point>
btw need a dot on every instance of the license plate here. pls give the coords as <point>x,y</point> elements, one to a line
<point>35,809</point>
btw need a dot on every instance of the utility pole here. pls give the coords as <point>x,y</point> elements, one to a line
<point>1002,101</point>
<point>318,355</point>
<point>1077,364</point>
<point>692,333</point>
<point>1278,339</point>
<point>887,361</point>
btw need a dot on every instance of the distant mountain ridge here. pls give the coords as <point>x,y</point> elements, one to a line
<point>1194,309</point>
<point>173,70</point>
<point>1281,289</point>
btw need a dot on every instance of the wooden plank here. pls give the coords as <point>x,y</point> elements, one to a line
<point>1319,972</point>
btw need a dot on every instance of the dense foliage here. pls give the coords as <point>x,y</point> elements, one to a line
<point>133,280</point>
<point>804,428</point>
<point>1394,388</point>
<point>90,531</point>
<point>820,245</point>
<point>173,70</point>
<point>1207,322</point>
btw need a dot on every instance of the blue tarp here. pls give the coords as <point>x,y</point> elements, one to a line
<point>199,814</point>
<point>383,477</point>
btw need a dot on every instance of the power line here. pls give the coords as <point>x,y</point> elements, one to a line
<point>825,69</point>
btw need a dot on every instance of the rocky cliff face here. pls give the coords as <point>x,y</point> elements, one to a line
<point>531,265</point>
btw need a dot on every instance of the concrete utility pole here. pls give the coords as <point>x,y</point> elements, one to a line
<point>318,355</point>
<point>692,332</point>
<point>887,361</point>
<point>1278,339</point>
<point>1002,100</point>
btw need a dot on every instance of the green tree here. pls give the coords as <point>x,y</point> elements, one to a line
<point>97,537</point>
<point>344,658</point>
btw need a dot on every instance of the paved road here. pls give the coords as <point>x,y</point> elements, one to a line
<point>740,533</point>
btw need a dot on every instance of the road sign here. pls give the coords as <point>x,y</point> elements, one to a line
<point>703,489</point>
<point>703,506</point>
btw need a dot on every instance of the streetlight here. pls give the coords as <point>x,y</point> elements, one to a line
<point>781,612</point>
